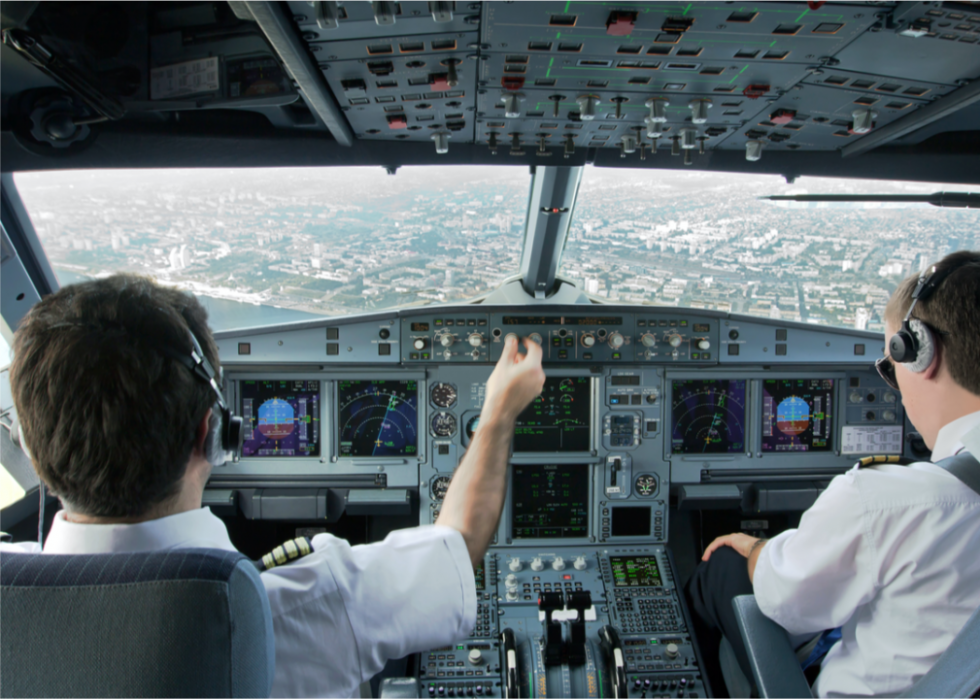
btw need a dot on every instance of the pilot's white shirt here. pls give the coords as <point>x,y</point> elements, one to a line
<point>889,554</point>
<point>338,613</point>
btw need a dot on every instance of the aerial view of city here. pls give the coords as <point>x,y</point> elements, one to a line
<point>262,246</point>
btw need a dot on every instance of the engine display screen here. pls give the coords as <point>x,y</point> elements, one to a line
<point>707,416</point>
<point>797,414</point>
<point>281,418</point>
<point>558,419</point>
<point>550,501</point>
<point>378,418</point>
<point>635,571</point>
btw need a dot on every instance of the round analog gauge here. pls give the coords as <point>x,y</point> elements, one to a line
<point>471,426</point>
<point>439,487</point>
<point>443,395</point>
<point>443,424</point>
<point>646,485</point>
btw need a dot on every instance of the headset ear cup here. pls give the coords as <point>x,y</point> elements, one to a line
<point>926,349</point>
<point>214,451</point>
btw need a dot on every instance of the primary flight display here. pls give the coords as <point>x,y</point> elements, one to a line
<point>707,416</point>
<point>282,418</point>
<point>797,414</point>
<point>558,419</point>
<point>378,417</point>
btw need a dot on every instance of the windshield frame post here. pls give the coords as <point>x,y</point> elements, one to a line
<point>549,216</point>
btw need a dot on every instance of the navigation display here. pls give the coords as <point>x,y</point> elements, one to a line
<point>558,419</point>
<point>378,418</point>
<point>281,418</point>
<point>550,501</point>
<point>797,414</point>
<point>707,416</point>
<point>635,571</point>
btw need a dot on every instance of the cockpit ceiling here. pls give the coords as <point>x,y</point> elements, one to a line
<point>772,87</point>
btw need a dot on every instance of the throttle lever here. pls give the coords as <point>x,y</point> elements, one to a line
<point>612,646</point>
<point>511,680</point>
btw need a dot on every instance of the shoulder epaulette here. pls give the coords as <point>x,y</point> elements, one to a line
<point>284,553</point>
<point>889,459</point>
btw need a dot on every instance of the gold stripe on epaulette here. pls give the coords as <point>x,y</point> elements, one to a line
<point>289,551</point>
<point>880,459</point>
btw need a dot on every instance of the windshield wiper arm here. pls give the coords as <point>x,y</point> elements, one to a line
<point>956,200</point>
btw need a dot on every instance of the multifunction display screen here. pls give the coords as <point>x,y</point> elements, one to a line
<point>558,419</point>
<point>707,416</point>
<point>797,414</point>
<point>550,501</point>
<point>635,571</point>
<point>280,418</point>
<point>378,418</point>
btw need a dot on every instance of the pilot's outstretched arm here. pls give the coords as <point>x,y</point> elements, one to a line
<point>476,495</point>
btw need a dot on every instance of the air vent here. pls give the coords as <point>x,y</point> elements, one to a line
<point>563,20</point>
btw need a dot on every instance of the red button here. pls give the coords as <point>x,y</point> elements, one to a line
<point>439,83</point>
<point>397,121</point>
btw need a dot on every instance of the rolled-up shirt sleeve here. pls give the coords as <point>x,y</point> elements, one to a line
<point>814,577</point>
<point>340,613</point>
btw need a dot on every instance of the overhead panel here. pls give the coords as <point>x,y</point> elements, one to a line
<point>411,80</point>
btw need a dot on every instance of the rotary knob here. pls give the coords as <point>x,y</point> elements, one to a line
<point>888,415</point>
<point>558,564</point>
<point>475,656</point>
<point>672,651</point>
<point>675,340</point>
<point>648,340</point>
<point>854,397</point>
<point>580,563</point>
<point>889,397</point>
<point>476,339</point>
<point>447,340</point>
<point>704,344</point>
<point>588,340</point>
<point>536,565</point>
<point>512,595</point>
<point>616,340</point>
<point>511,580</point>
<point>513,335</point>
<point>535,338</point>
<point>515,564</point>
<point>420,343</point>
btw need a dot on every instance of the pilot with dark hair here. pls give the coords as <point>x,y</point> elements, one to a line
<point>117,428</point>
<point>886,557</point>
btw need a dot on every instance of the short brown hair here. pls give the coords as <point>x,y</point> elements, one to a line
<point>110,421</point>
<point>952,311</point>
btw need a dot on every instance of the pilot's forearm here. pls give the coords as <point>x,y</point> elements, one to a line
<point>476,495</point>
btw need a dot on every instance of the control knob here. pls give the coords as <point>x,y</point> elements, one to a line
<point>535,338</point>
<point>588,340</point>
<point>476,339</point>
<point>675,340</point>
<point>704,344</point>
<point>512,595</point>
<point>580,563</point>
<point>616,340</point>
<point>515,565</point>
<point>672,651</point>
<point>513,335</point>
<point>888,415</point>
<point>648,340</point>
<point>447,354</point>
<point>420,343</point>
<point>536,565</point>
<point>475,657</point>
<point>447,340</point>
<point>511,581</point>
<point>559,563</point>
<point>855,397</point>
<point>889,397</point>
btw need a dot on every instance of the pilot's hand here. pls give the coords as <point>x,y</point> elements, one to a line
<point>740,542</point>
<point>515,382</point>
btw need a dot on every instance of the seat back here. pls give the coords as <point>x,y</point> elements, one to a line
<point>185,622</point>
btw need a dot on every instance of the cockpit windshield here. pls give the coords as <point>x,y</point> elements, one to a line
<point>262,246</point>
<point>707,240</point>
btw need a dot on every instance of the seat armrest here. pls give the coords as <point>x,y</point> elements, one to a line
<point>400,688</point>
<point>776,670</point>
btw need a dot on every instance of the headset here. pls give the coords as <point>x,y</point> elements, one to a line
<point>225,433</point>
<point>914,345</point>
